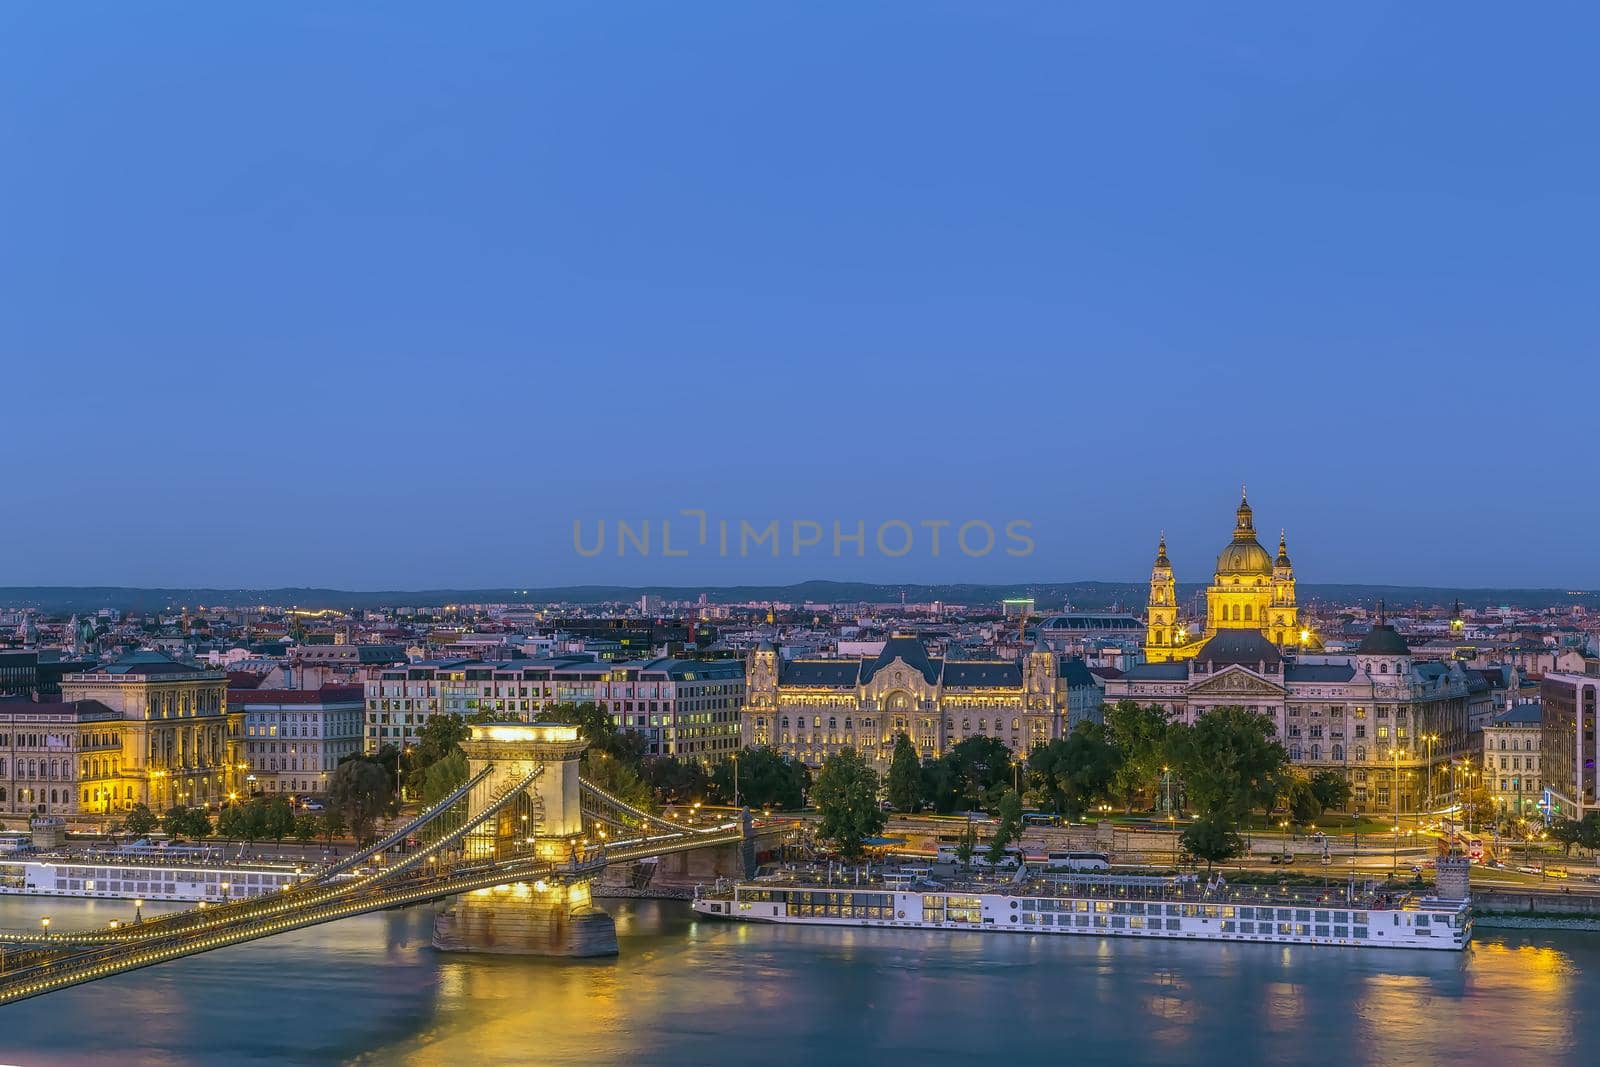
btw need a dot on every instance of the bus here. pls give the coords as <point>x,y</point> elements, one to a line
<point>1010,859</point>
<point>1077,861</point>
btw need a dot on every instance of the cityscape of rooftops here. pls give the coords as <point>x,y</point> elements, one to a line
<point>851,533</point>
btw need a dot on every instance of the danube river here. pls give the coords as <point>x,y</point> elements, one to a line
<point>684,991</point>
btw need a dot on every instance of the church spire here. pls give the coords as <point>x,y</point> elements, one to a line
<point>1161,552</point>
<point>1244,523</point>
<point>1283,548</point>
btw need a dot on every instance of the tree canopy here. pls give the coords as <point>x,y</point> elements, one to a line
<point>1212,838</point>
<point>1230,762</point>
<point>140,820</point>
<point>971,774</point>
<point>1007,827</point>
<point>905,775</point>
<point>1076,770</point>
<point>846,796</point>
<point>1139,734</point>
<point>362,792</point>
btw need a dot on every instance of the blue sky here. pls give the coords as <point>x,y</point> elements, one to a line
<point>376,295</point>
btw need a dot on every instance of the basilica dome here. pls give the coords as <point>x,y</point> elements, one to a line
<point>1244,555</point>
<point>1244,558</point>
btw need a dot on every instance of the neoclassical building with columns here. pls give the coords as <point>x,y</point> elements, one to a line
<point>812,708</point>
<point>1391,724</point>
<point>177,741</point>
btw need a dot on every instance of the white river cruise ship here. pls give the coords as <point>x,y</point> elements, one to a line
<point>1103,905</point>
<point>147,877</point>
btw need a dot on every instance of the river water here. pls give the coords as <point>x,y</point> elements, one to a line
<point>684,991</point>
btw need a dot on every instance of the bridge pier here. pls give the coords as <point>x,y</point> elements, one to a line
<point>542,919</point>
<point>549,917</point>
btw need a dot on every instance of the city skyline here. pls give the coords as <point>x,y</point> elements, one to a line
<point>395,301</point>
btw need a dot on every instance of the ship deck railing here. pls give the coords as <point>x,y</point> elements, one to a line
<point>1181,890</point>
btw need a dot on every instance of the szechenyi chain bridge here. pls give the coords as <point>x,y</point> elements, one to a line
<point>518,844</point>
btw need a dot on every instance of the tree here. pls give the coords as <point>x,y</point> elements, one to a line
<point>1139,734</point>
<point>1332,790</point>
<point>306,827</point>
<point>1589,831</point>
<point>905,775</point>
<point>175,823</point>
<point>1008,826</point>
<point>767,779</point>
<point>679,781</point>
<point>967,843</point>
<point>233,823</point>
<point>439,738</point>
<point>1211,838</point>
<point>444,777</point>
<point>333,824</point>
<point>197,826</point>
<point>938,782</point>
<point>277,820</point>
<point>1076,770</point>
<point>1566,832</point>
<point>595,726</point>
<point>361,791</point>
<point>1300,799</point>
<point>1477,804</point>
<point>1230,762</point>
<point>618,778</point>
<point>978,771</point>
<point>140,820</point>
<point>846,796</point>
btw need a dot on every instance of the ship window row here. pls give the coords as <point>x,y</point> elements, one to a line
<point>237,878</point>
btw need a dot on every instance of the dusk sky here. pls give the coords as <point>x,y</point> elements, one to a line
<point>388,295</point>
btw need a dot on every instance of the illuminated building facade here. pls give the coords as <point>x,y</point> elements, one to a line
<point>1511,759</point>
<point>1394,726</point>
<point>1250,590</point>
<point>178,742</point>
<point>143,730</point>
<point>1570,739</point>
<point>295,738</point>
<point>813,708</point>
<point>686,708</point>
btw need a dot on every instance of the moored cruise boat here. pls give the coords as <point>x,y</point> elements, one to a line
<point>148,877</point>
<point>1104,905</point>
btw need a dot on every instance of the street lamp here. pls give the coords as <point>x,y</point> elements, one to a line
<point>44,921</point>
<point>1430,739</point>
<point>1395,786</point>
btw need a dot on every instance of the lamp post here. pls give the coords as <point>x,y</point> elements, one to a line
<point>1395,786</point>
<point>1430,739</point>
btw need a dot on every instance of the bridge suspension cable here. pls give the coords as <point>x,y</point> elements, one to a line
<point>643,816</point>
<point>423,819</point>
<point>305,895</point>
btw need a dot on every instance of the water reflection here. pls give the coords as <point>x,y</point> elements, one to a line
<point>372,991</point>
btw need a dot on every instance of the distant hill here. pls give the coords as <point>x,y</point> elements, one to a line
<point>1048,596</point>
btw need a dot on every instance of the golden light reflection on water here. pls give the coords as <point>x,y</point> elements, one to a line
<point>686,991</point>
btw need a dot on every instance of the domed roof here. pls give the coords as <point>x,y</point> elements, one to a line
<point>1244,557</point>
<point>1244,554</point>
<point>1247,647</point>
<point>1383,640</point>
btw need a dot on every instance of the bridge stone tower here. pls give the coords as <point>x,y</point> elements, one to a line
<point>554,915</point>
<point>552,811</point>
